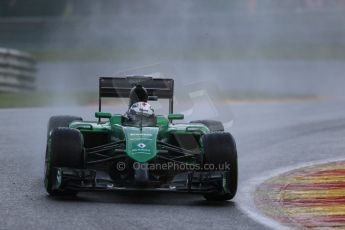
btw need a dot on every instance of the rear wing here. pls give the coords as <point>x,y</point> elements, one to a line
<point>120,87</point>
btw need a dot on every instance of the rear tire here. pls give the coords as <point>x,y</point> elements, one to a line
<point>220,149</point>
<point>213,126</point>
<point>64,149</point>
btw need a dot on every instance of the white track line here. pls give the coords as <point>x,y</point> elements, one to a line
<point>247,188</point>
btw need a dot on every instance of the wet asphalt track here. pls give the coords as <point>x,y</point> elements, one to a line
<point>269,136</point>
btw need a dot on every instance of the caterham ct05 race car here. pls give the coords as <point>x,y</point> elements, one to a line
<point>139,150</point>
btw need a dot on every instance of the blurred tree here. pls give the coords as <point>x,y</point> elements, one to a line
<point>27,8</point>
<point>69,7</point>
<point>37,8</point>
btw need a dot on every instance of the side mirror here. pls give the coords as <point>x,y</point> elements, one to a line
<point>175,116</point>
<point>103,115</point>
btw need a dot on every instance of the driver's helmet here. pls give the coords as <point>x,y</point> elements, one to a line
<point>138,93</point>
<point>140,109</point>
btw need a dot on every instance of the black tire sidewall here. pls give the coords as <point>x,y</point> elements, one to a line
<point>220,148</point>
<point>64,149</point>
<point>67,148</point>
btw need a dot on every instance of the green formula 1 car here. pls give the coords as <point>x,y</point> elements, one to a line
<point>139,150</point>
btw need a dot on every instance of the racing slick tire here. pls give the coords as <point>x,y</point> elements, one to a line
<point>64,149</point>
<point>212,125</point>
<point>61,121</point>
<point>220,151</point>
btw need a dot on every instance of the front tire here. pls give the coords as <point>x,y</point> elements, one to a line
<point>64,149</point>
<point>220,151</point>
<point>61,121</point>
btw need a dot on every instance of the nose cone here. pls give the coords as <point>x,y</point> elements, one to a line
<point>141,144</point>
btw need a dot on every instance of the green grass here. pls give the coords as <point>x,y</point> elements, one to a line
<point>41,99</point>
<point>38,99</point>
<point>307,52</point>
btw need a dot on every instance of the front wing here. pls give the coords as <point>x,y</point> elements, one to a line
<point>88,180</point>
